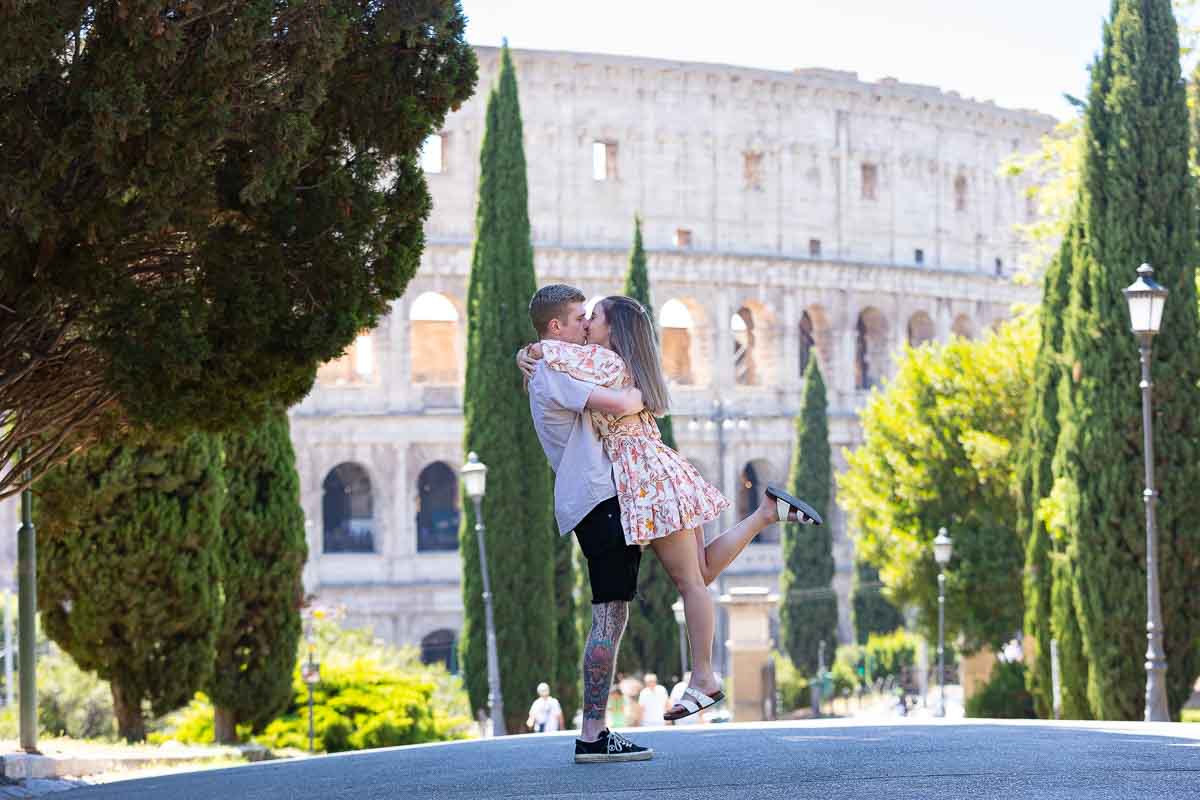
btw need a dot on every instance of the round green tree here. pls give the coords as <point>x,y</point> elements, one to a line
<point>263,555</point>
<point>214,198</point>
<point>870,610</point>
<point>129,562</point>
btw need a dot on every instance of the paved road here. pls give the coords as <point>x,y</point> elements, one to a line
<point>826,759</point>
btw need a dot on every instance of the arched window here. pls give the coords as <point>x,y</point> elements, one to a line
<point>920,329</point>
<point>346,509</point>
<point>677,325</point>
<point>807,341</point>
<point>752,481</point>
<point>439,646</point>
<point>870,351</point>
<point>356,365</point>
<point>745,370</point>
<point>433,340</point>
<point>437,508</point>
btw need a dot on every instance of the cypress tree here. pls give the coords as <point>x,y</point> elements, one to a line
<point>518,506</point>
<point>264,551</point>
<point>651,641</point>
<point>870,611</point>
<point>1048,615</point>
<point>1136,205</point>
<point>809,613</point>
<point>129,553</point>
<point>567,641</point>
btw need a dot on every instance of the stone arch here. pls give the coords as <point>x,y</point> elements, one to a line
<point>676,326</point>
<point>963,326</point>
<point>870,348</point>
<point>753,349</point>
<point>921,329</point>
<point>815,339</point>
<point>753,478</point>
<point>437,508</point>
<point>685,342</point>
<point>356,366</point>
<point>347,510</point>
<point>440,646</point>
<point>434,339</point>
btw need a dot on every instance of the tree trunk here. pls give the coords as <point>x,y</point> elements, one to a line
<point>224,726</point>
<point>131,725</point>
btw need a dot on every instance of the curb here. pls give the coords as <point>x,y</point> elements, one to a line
<point>26,766</point>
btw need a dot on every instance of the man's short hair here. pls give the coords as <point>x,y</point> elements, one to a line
<point>550,302</point>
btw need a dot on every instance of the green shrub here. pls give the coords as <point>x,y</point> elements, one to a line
<point>791,686</point>
<point>1004,696</point>
<point>72,702</point>
<point>890,654</point>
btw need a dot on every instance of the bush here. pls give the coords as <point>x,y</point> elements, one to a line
<point>1004,696</point>
<point>890,654</point>
<point>791,686</point>
<point>72,702</point>
<point>370,695</point>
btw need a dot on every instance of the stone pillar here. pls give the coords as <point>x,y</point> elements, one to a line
<point>749,643</point>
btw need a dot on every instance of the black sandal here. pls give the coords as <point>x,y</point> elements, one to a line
<point>785,503</point>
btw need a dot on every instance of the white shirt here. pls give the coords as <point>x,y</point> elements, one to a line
<point>654,705</point>
<point>545,711</point>
<point>583,476</point>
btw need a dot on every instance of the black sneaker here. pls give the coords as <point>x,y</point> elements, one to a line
<point>610,747</point>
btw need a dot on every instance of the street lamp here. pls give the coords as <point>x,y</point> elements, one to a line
<point>1146,298</point>
<point>474,478</point>
<point>943,548</point>
<point>681,621</point>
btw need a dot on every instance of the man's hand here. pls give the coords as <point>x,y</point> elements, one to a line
<point>525,362</point>
<point>618,402</point>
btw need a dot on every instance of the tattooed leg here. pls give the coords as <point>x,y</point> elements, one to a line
<point>599,662</point>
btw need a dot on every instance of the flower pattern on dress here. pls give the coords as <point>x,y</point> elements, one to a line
<point>658,490</point>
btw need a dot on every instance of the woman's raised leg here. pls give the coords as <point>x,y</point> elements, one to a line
<point>679,556</point>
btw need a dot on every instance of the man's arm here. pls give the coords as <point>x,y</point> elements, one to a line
<point>618,402</point>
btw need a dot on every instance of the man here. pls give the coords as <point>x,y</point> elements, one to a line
<point>545,715</point>
<point>585,501</point>
<point>653,701</point>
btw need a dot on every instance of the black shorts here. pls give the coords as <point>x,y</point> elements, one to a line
<point>612,564</point>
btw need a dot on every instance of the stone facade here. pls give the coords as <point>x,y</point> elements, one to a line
<point>785,215</point>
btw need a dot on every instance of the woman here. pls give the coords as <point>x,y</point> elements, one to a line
<point>664,500</point>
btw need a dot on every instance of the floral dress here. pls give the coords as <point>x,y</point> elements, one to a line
<point>658,490</point>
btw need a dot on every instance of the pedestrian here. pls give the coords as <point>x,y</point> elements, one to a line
<point>653,701</point>
<point>663,501</point>
<point>545,715</point>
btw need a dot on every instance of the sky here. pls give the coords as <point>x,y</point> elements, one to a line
<point>1020,53</point>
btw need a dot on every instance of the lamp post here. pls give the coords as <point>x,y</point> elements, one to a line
<point>943,548</point>
<point>474,478</point>
<point>1146,298</point>
<point>310,671</point>
<point>681,621</point>
<point>27,622</point>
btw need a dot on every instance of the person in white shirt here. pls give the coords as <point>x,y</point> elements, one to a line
<point>653,701</point>
<point>545,715</point>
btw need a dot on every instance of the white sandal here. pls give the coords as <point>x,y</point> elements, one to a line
<point>692,702</point>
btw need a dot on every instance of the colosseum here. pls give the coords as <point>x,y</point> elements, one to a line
<point>787,216</point>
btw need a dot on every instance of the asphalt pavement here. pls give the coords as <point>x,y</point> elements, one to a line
<point>827,759</point>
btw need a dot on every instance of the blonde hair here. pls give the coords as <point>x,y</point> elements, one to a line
<point>634,339</point>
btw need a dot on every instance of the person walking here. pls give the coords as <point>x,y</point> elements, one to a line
<point>662,499</point>
<point>545,715</point>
